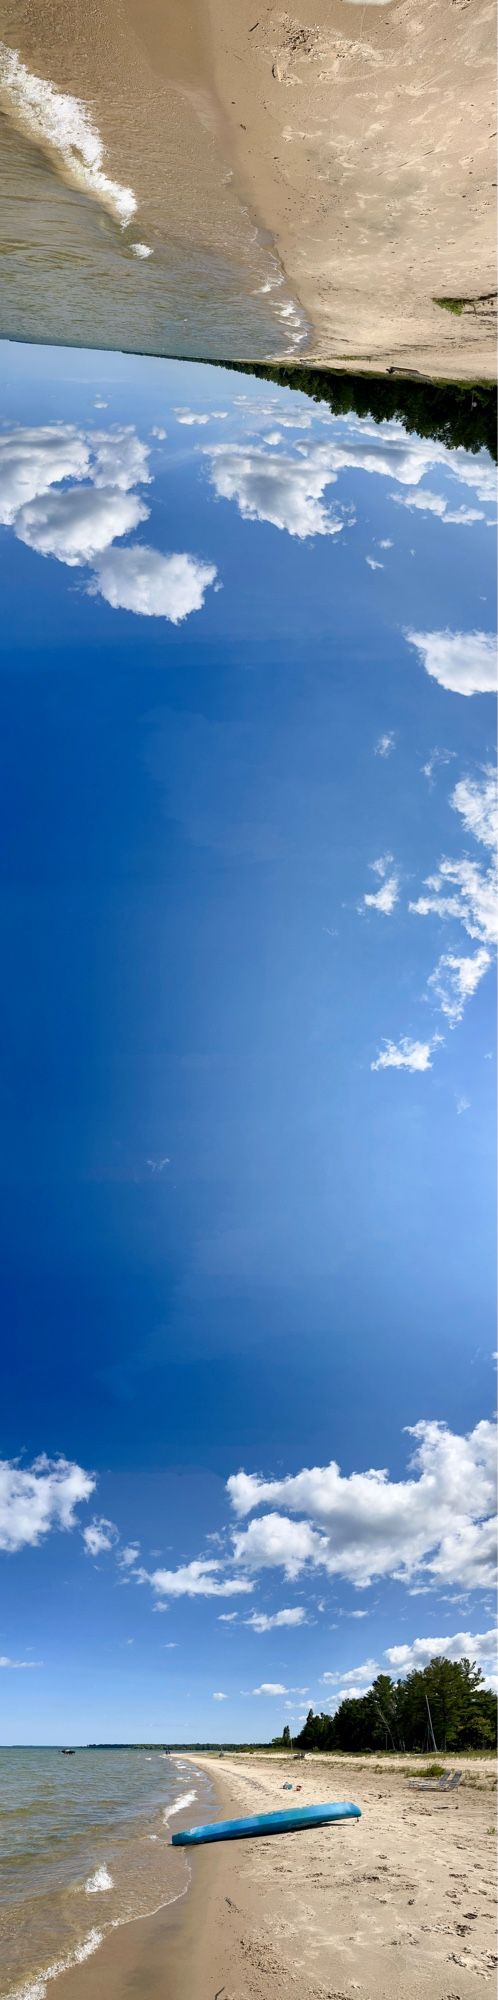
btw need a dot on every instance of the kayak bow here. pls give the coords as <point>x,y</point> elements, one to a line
<point>296,1819</point>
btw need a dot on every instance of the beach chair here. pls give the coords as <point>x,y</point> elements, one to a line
<point>448,1783</point>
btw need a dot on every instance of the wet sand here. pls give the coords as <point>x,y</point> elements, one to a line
<point>400,1906</point>
<point>337,165</point>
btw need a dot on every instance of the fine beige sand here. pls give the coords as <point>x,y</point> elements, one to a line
<point>400,1906</point>
<point>366,135</point>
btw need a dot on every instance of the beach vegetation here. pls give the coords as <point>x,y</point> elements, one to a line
<point>452,305</point>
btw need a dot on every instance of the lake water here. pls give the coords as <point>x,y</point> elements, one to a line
<point>84,1845</point>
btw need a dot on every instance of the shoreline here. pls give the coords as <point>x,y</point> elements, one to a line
<point>322,162</point>
<point>393,1904</point>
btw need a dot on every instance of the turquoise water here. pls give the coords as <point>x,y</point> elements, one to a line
<point>84,1845</point>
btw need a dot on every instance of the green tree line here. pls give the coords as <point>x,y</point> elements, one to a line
<point>394,1715</point>
<point>452,413</point>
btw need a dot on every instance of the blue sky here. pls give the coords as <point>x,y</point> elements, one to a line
<point>248,1044</point>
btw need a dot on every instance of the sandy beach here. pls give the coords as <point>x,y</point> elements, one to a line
<point>324,176</point>
<point>366,136</point>
<point>400,1904</point>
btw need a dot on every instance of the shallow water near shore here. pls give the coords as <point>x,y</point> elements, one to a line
<point>84,1846</point>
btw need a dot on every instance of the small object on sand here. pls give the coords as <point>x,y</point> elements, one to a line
<point>449,1783</point>
<point>287,1787</point>
<point>295,1820</point>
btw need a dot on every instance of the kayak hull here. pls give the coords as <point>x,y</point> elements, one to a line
<point>295,1820</point>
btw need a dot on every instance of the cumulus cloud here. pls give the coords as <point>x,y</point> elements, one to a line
<point>438,1523</point>
<point>357,1677</point>
<point>454,981</point>
<point>479,1646</point>
<point>463,662</point>
<point>270,1687</point>
<point>75,525</point>
<point>157,586</point>
<point>190,417</point>
<point>262,1621</point>
<point>372,564</point>
<point>200,1578</point>
<point>36,1499</point>
<point>406,1054</point>
<point>273,489</point>
<point>288,492</point>
<point>385,744</point>
<point>218,1696</point>
<point>100,1535</point>
<point>35,457</point>
<point>79,523</point>
<point>275,1542</point>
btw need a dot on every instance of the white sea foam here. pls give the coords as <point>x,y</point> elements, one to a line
<point>99,1881</point>
<point>36,1988</point>
<point>62,124</point>
<point>180,1805</point>
<point>141,250</point>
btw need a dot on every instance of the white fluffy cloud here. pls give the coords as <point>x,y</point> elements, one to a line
<point>262,1621</point>
<point>34,458</point>
<point>406,1054</point>
<point>218,1696</point>
<point>100,1535</point>
<point>357,1678</point>
<point>476,799</point>
<point>454,981</point>
<point>190,417</point>
<point>385,743</point>
<point>141,579</point>
<point>273,1541</point>
<point>270,1687</point>
<point>79,523</point>
<point>463,662</point>
<point>436,503</point>
<point>437,1524</point>
<point>76,524</point>
<point>274,489</point>
<point>33,1500</point>
<point>128,1556</point>
<point>479,1646</point>
<point>200,1578</point>
<point>464,891</point>
<point>288,492</point>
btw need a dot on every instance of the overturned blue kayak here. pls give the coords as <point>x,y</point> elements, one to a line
<point>293,1821</point>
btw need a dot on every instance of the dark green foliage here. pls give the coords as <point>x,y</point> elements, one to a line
<point>453,413</point>
<point>394,1716</point>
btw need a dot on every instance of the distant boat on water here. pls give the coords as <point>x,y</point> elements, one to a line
<point>68,1753</point>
